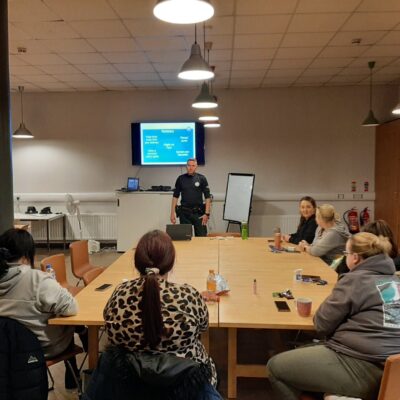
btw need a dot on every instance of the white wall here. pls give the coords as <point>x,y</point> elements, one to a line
<point>296,140</point>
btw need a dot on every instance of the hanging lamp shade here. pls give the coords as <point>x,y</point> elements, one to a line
<point>22,132</point>
<point>212,124</point>
<point>205,99</point>
<point>183,11</point>
<point>396,110</point>
<point>208,115</point>
<point>195,67</point>
<point>370,120</point>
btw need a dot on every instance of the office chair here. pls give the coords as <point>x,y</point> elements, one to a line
<point>80,263</point>
<point>58,263</point>
<point>92,275</point>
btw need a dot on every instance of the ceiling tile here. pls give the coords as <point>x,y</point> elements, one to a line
<point>25,70</point>
<point>149,84</point>
<point>135,68</point>
<point>259,74</point>
<point>29,10</point>
<point>107,77</point>
<point>346,79</point>
<point>257,41</point>
<point>379,61</point>
<point>269,81</point>
<point>81,10</point>
<point>31,46</point>
<point>293,72</point>
<point>313,79</point>
<point>100,29</point>
<point>358,71</point>
<point>55,86</point>
<point>122,58</point>
<point>85,85</point>
<point>258,7</point>
<point>17,33</point>
<point>97,68</point>
<point>42,59</point>
<point>133,9</point>
<point>224,7</point>
<point>306,39</point>
<point>219,26</point>
<point>117,85</point>
<point>321,71</point>
<point>316,6</point>
<point>161,43</point>
<point>251,65</point>
<point>219,41</point>
<point>59,69</point>
<point>367,38</point>
<point>72,77</point>
<point>168,76</point>
<point>86,58</point>
<point>317,22</point>
<point>297,52</point>
<point>379,5</point>
<point>155,27</point>
<point>16,60</point>
<point>331,62</point>
<point>262,24</point>
<point>47,29</point>
<point>372,21</point>
<point>164,67</point>
<point>220,55</point>
<point>142,76</point>
<point>342,51</point>
<point>389,70</point>
<point>391,38</point>
<point>383,51</point>
<point>167,56</point>
<point>291,63</point>
<point>38,78</point>
<point>253,54</point>
<point>67,45</point>
<point>114,44</point>
<point>244,82</point>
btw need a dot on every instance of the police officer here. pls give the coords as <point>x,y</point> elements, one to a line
<point>192,186</point>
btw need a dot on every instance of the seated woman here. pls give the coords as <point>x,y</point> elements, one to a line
<point>150,313</point>
<point>31,296</point>
<point>378,228</point>
<point>330,237</point>
<point>307,226</point>
<point>362,326</point>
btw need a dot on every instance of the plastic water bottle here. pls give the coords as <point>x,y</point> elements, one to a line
<point>277,238</point>
<point>211,282</point>
<point>50,271</point>
<point>245,232</point>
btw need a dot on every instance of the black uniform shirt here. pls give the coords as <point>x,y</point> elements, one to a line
<point>192,188</point>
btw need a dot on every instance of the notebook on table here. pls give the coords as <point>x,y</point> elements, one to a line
<point>180,231</point>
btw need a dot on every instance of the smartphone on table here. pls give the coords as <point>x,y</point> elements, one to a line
<point>282,306</point>
<point>103,287</point>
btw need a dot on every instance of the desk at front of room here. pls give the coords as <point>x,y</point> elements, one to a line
<point>240,262</point>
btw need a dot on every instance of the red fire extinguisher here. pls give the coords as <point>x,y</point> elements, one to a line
<point>364,217</point>
<point>351,219</point>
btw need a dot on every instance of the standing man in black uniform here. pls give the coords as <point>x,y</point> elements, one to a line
<point>192,186</point>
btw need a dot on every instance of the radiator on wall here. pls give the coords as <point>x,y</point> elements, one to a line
<point>94,226</point>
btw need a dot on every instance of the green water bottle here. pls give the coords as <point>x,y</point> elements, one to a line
<point>245,232</point>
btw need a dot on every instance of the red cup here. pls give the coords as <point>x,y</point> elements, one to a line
<point>304,306</point>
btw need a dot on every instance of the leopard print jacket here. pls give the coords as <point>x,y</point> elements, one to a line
<point>184,313</point>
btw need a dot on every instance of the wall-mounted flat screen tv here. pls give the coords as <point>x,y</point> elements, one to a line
<point>167,143</point>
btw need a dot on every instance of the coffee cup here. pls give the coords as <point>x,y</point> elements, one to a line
<point>304,306</point>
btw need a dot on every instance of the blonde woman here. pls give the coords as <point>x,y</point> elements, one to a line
<point>361,322</point>
<point>330,236</point>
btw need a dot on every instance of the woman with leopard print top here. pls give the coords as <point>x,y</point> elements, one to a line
<point>150,313</point>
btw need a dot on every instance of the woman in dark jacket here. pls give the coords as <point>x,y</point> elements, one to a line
<point>307,226</point>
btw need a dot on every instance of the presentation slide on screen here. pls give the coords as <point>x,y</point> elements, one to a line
<point>167,143</point>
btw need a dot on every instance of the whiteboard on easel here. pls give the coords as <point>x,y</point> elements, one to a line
<point>238,197</point>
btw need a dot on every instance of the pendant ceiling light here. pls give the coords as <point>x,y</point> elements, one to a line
<point>195,67</point>
<point>22,132</point>
<point>208,115</point>
<point>183,11</point>
<point>370,120</point>
<point>205,99</point>
<point>213,124</point>
<point>396,110</point>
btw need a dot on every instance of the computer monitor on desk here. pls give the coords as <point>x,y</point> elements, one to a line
<point>132,185</point>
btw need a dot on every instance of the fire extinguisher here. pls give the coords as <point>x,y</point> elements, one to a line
<point>351,219</point>
<point>364,217</point>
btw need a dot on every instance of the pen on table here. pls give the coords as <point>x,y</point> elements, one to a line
<point>255,286</point>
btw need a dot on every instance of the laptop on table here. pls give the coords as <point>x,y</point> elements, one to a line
<point>132,185</point>
<point>180,231</point>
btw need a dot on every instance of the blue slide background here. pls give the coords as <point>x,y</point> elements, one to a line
<point>170,144</point>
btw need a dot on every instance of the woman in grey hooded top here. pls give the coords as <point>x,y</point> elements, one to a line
<point>330,236</point>
<point>361,322</point>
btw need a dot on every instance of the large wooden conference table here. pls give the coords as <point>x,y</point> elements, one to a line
<point>240,262</point>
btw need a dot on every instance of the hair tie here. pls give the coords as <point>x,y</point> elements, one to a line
<point>5,253</point>
<point>152,271</point>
